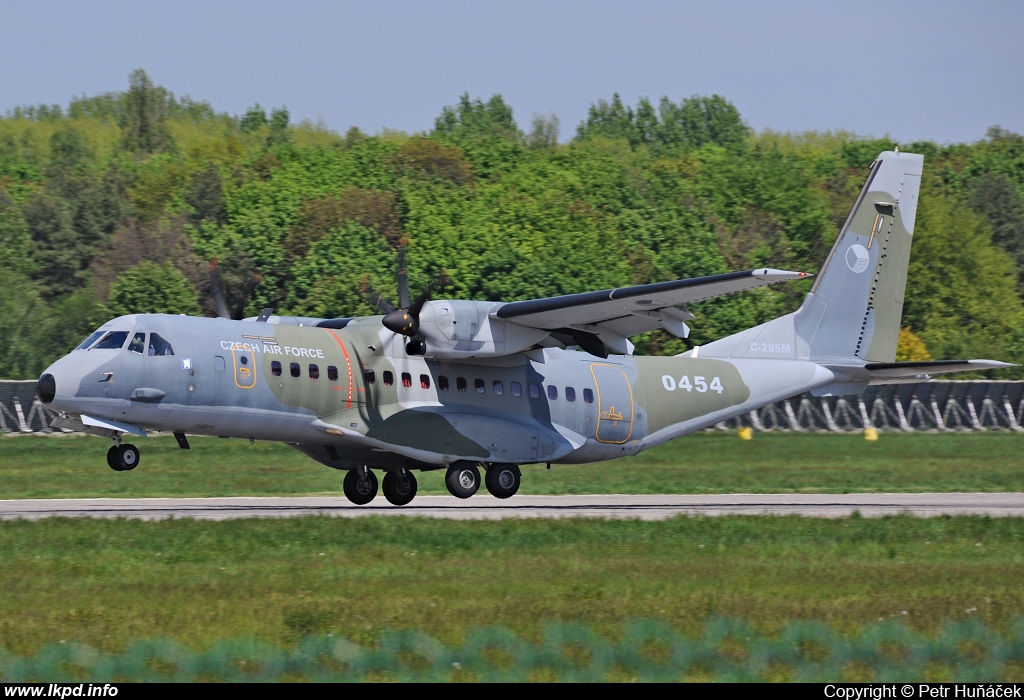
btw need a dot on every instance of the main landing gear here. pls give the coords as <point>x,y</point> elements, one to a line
<point>361,486</point>
<point>462,480</point>
<point>502,480</point>
<point>123,458</point>
<point>399,486</point>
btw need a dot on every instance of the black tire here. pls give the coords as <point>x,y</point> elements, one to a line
<point>360,485</point>
<point>399,487</point>
<point>112,458</point>
<point>503,480</point>
<point>127,457</point>
<point>462,480</point>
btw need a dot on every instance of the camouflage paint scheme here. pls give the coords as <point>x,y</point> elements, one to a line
<point>221,379</point>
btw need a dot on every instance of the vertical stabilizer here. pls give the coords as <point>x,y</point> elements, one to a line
<point>853,311</point>
<point>856,303</point>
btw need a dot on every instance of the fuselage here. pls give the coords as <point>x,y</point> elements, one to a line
<point>353,396</point>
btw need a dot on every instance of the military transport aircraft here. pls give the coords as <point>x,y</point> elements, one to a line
<point>459,385</point>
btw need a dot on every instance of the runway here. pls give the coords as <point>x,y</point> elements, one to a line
<point>486,507</point>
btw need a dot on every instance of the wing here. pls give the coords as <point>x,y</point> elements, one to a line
<point>615,314</point>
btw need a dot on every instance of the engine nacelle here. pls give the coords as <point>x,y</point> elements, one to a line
<point>465,329</point>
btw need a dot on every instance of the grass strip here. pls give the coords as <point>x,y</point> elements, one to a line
<point>106,583</point>
<point>75,466</point>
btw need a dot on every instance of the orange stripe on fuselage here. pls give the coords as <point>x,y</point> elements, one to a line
<point>348,364</point>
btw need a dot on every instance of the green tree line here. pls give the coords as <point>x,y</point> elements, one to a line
<point>122,202</point>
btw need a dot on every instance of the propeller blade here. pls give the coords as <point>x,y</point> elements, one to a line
<point>373,298</point>
<point>403,280</point>
<point>439,282</point>
<point>251,281</point>
<point>217,291</point>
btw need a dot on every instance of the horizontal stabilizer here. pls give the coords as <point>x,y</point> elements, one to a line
<point>897,370</point>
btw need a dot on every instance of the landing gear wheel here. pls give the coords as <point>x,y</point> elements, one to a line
<point>462,480</point>
<point>360,485</point>
<point>399,487</point>
<point>126,457</point>
<point>503,480</point>
<point>112,458</point>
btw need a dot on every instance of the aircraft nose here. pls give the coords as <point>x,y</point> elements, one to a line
<point>46,388</point>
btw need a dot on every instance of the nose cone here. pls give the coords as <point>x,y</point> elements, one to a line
<point>46,388</point>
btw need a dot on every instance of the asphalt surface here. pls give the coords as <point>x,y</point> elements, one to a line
<point>486,507</point>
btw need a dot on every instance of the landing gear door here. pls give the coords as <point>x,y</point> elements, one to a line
<point>245,366</point>
<point>614,404</point>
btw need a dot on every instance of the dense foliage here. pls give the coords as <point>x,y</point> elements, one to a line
<point>121,202</point>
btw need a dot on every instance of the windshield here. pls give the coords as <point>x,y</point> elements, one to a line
<point>112,341</point>
<point>90,340</point>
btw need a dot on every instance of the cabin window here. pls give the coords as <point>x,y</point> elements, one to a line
<point>552,392</point>
<point>588,396</point>
<point>517,389</point>
<point>332,373</point>
<point>497,387</point>
<point>534,391</point>
<point>406,380</point>
<point>479,385</point>
<point>138,343</point>
<point>460,383</point>
<point>296,370</point>
<point>389,378</point>
<point>570,394</point>
<point>424,381</point>
<point>112,341</point>
<point>90,340</point>
<point>158,346</point>
<point>442,383</point>
<point>275,366</point>
<point>314,372</point>
<point>369,376</point>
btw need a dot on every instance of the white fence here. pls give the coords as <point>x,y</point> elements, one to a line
<point>927,406</point>
<point>21,411</point>
<point>936,406</point>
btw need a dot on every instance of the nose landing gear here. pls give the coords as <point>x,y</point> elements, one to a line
<point>123,458</point>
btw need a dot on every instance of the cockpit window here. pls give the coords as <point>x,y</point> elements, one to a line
<point>90,340</point>
<point>138,343</point>
<point>158,346</point>
<point>112,341</point>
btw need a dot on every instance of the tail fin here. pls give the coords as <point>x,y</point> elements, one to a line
<point>857,301</point>
<point>853,311</point>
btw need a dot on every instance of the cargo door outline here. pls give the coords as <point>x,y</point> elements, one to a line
<point>244,361</point>
<point>613,419</point>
